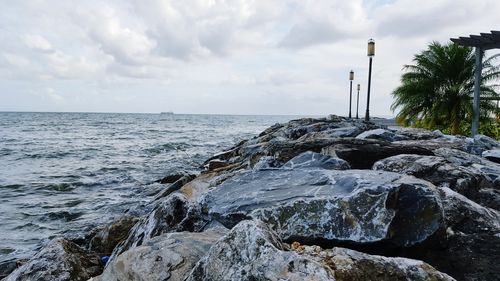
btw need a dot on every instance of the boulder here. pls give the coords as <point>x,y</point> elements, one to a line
<point>165,257</point>
<point>417,134</point>
<point>310,205</point>
<point>59,260</point>
<point>468,245</point>
<point>492,155</point>
<point>436,170</point>
<point>106,238</point>
<point>172,214</point>
<point>380,134</point>
<point>362,154</point>
<point>176,185</point>
<point>309,159</point>
<point>251,251</point>
<point>489,170</point>
<point>353,265</point>
<point>481,143</point>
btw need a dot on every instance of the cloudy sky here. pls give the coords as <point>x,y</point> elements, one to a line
<point>215,56</point>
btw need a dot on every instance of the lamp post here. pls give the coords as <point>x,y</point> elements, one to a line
<point>357,102</point>
<point>351,77</point>
<point>371,54</point>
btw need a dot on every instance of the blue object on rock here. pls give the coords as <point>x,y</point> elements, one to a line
<point>104,259</point>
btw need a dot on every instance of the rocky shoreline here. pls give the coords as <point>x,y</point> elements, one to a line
<point>313,199</point>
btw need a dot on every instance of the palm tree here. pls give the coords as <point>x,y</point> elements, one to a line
<point>436,91</point>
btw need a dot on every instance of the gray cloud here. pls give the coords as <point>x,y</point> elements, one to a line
<point>216,56</point>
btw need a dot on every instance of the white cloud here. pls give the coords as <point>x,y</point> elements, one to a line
<point>38,43</point>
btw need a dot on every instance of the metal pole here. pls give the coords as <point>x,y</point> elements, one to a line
<point>367,116</point>
<point>350,100</point>
<point>357,104</point>
<point>477,89</point>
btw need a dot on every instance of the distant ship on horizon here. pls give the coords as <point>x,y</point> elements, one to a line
<point>167,113</point>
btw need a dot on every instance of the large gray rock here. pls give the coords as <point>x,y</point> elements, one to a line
<point>166,257</point>
<point>106,238</point>
<point>60,260</point>
<point>380,134</point>
<point>363,153</point>
<point>353,265</point>
<point>436,170</point>
<point>251,251</point>
<point>309,159</point>
<point>309,205</point>
<point>468,246</point>
<point>171,214</point>
<point>489,170</point>
<point>492,155</point>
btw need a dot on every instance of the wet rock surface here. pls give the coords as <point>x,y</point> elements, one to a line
<point>59,260</point>
<point>173,214</point>
<point>468,245</point>
<point>312,160</point>
<point>106,238</point>
<point>354,205</point>
<point>251,251</point>
<point>165,257</point>
<point>313,199</point>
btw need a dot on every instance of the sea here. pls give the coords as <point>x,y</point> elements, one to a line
<point>63,174</point>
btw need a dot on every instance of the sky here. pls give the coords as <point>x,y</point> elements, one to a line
<point>218,57</point>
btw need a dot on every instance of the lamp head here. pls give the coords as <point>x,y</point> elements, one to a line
<point>359,87</point>
<point>351,75</point>
<point>371,48</point>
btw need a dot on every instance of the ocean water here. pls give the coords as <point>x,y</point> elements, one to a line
<point>66,173</point>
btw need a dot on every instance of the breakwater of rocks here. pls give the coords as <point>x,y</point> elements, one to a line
<point>312,199</point>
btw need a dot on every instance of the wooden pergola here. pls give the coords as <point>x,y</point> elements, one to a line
<point>483,42</point>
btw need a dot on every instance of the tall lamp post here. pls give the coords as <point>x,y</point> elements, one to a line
<point>371,54</point>
<point>357,102</point>
<point>351,77</point>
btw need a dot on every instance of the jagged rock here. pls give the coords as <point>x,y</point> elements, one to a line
<point>106,238</point>
<point>57,261</point>
<point>353,265</point>
<point>172,214</point>
<point>481,143</point>
<point>251,251</point>
<point>490,170</point>
<point>492,155</point>
<point>468,245</point>
<point>417,134</point>
<point>355,205</point>
<point>166,257</point>
<point>315,160</point>
<point>436,170</point>
<point>362,154</point>
<point>380,134</point>
<point>175,186</point>
<point>335,133</point>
